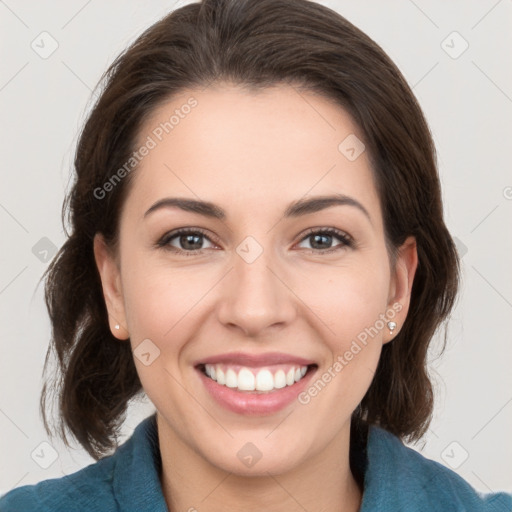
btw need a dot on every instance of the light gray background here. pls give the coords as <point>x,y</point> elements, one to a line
<point>467,101</point>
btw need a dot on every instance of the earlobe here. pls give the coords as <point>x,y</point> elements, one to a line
<point>112,288</point>
<point>401,285</point>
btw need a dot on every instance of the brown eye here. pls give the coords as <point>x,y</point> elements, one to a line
<point>184,241</point>
<point>322,239</point>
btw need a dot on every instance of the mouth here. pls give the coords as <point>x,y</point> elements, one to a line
<point>255,385</point>
<point>256,380</point>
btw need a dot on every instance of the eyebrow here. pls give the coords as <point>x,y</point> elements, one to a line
<point>297,208</point>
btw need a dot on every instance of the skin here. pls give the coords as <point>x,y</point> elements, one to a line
<point>253,153</point>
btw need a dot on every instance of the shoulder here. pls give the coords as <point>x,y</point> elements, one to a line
<point>87,489</point>
<point>126,480</point>
<point>400,478</point>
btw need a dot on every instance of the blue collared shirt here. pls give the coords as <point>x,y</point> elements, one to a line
<point>396,478</point>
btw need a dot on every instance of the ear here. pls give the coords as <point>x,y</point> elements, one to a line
<point>108,269</point>
<point>401,285</point>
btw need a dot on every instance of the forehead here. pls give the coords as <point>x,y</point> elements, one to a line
<point>244,149</point>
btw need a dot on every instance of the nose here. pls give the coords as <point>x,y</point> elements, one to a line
<point>256,297</point>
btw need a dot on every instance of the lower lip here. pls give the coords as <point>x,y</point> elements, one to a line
<point>255,403</point>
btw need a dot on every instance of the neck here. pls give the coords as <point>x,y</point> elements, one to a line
<point>324,482</point>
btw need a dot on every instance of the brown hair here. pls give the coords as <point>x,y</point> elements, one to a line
<point>255,44</point>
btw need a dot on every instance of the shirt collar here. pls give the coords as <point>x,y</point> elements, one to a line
<point>137,471</point>
<point>400,478</point>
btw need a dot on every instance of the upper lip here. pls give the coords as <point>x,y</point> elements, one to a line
<point>265,359</point>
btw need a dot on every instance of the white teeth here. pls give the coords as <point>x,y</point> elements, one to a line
<point>264,381</point>
<point>279,379</point>
<point>245,380</point>
<point>231,379</point>
<point>250,380</point>
<point>221,377</point>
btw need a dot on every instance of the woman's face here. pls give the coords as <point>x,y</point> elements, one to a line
<point>256,287</point>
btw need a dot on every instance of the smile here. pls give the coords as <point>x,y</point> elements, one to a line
<point>255,379</point>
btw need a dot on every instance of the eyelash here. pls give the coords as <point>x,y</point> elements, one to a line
<point>346,240</point>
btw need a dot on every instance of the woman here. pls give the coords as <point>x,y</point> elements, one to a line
<point>258,244</point>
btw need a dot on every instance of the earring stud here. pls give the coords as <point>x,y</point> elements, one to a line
<point>117,326</point>
<point>392,326</point>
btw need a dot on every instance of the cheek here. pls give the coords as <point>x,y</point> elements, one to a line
<point>352,308</point>
<point>351,299</point>
<point>158,298</point>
